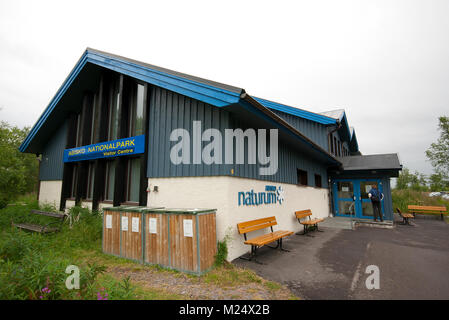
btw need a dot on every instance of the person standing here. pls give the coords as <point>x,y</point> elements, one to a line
<point>376,197</point>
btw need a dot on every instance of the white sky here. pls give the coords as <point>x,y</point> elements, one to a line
<point>385,62</point>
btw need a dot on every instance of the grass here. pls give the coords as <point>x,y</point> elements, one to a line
<point>403,198</point>
<point>32,266</point>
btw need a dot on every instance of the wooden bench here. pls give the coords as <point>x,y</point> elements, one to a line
<point>405,217</point>
<point>265,239</point>
<point>43,228</point>
<point>414,209</point>
<point>307,223</point>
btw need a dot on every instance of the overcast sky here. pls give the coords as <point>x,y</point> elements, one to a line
<point>385,62</point>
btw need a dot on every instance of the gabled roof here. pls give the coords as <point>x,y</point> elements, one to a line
<point>346,131</point>
<point>353,144</point>
<point>211,92</point>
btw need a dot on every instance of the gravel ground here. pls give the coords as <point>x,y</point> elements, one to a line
<point>192,287</point>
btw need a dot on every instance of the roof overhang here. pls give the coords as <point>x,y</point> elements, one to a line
<point>388,164</point>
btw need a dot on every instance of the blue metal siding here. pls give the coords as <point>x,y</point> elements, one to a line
<point>52,164</point>
<point>388,201</point>
<point>314,131</point>
<point>169,110</point>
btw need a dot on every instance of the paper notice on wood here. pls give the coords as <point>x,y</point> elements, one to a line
<point>135,224</point>
<point>188,228</point>
<point>108,221</point>
<point>152,223</point>
<point>124,223</point>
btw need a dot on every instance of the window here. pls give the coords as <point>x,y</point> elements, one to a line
<point>74,181</point>
<point>133,179</point>
<point>136,125</point>
<point>318,181</point>
<point>90,180</point>
<point>332,144</point>
<point>302,177</point>
<point>78,130</point>
<point>339,148</point>
<point>110,181</point>
<point>335,146</point>
<point>114,99</point>
<point>95,120</point>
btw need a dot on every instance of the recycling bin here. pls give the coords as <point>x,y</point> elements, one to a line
<point>180,238</point>
<point>111,231</point>
<point>156,238</point>
<point>123,231</point>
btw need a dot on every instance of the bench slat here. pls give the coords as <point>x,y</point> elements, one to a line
<point>311,222</point>
<point>33,227</point>
<point>248,226</point>
<point>426,208</point>
<point>268,238</point>
<point>49,214</point>
<point>303,213</point>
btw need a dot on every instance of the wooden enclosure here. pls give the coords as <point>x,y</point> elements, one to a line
<point>187,239</point>
<point>182,239</point>
<point>156,239</point>
<point>111,232</point>
<point>131,235</point>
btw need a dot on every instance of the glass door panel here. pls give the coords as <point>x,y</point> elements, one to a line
<point>344,198</point>
<point>345,190</point>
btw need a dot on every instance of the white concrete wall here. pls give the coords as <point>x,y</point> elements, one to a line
<point>50,193</point>
<point>85,204</point>
<point>221,193</point>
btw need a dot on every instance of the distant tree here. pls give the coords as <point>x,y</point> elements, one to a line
<point>18,171</point>
<point>438,153</point>
<point>404,180</point>
<point>408,180</point>
<point>419,182</point>
<point>438,182</point>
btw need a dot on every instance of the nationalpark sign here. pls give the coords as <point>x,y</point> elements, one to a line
<point>115,148</point>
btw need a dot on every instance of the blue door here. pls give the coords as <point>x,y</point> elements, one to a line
<point>351,197</point>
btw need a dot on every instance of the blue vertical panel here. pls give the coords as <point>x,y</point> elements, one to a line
<point>314,131</point>
<point>52,164</point>
<point>388,201</point>
<point>169,110</point>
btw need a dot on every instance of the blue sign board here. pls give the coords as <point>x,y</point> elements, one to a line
<point>108,149</point>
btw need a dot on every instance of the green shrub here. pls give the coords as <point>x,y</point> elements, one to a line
<point>222,249</point>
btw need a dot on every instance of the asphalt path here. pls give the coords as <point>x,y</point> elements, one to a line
<point>410,262</point>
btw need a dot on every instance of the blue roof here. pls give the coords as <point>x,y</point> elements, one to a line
<point>214,93</point>
<point>296,112</point>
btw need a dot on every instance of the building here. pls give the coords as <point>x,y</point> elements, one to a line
<point>120,131</point>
